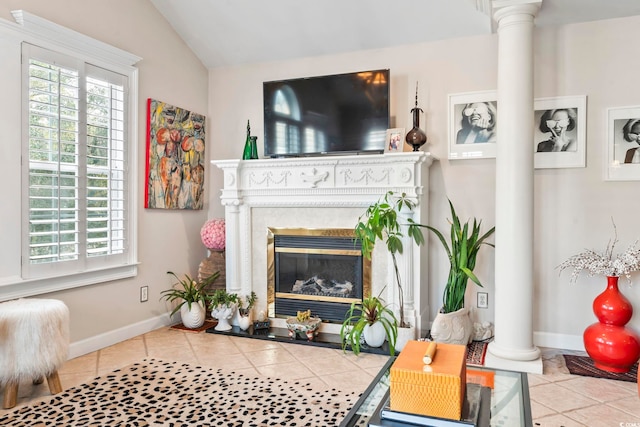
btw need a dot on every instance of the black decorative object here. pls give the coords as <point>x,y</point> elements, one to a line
<point>416,136</point>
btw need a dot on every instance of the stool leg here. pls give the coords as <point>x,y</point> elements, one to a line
<point>10,395</point>
<point>38,381</point>
<point>54,383</point>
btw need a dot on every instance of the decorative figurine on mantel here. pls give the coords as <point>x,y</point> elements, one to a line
<point>416,136</point>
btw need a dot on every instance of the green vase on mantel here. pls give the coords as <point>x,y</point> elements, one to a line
<point>250,146</point>
<point>246,154</point>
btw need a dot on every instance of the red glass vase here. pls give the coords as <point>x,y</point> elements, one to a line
<point>612,346</point>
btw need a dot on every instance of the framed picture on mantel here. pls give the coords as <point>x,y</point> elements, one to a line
<point>394,141</point>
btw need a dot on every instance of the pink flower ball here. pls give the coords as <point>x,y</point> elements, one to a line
<point>213,234</point>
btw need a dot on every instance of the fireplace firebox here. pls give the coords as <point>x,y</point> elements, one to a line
<point>321,270</point>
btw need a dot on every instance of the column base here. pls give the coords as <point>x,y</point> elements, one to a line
<point>513,360</point>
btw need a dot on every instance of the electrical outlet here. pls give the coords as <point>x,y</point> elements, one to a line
<point>483,300</point>
<point>144,293</point>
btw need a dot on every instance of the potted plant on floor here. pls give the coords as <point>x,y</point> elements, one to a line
<point>462,252</point>
<point>223,306</point>
<point>381,222</point>
<point>372,321</point>
<point>191,298</point>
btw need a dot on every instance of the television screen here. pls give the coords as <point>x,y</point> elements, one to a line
<point>335,114</point>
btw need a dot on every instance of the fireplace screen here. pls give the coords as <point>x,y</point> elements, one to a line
<point>318,269</point>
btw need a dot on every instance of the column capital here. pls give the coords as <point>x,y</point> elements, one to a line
<point>504,8</point>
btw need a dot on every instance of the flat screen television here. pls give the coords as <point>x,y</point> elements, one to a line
<point>335,114</point>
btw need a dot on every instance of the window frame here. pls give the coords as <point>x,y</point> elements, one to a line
<point>50,36</point>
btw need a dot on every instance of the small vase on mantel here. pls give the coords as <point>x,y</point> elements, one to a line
<point>612,346</point>
<point>416,136</point>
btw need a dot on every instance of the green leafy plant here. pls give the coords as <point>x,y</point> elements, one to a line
<point>222,298</point>
<point>369,311</point>
<point>187,291</point>
<point>380,222</point>
<point>250,301</point>
<point>465,244</point>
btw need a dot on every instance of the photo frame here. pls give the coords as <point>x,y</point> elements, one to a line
<point>394,141</point>
<point>623,143</point>
<point>559,146</point>
<point>175,157</point>
<point>472,129</point>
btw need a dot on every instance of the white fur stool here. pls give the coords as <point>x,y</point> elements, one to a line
<point>34,343</point>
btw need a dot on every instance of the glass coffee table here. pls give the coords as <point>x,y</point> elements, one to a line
<point>509,406</point>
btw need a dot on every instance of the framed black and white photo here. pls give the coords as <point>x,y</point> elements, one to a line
<point>472,125</point>
<point>623,144</point>
<point>394,140</point>
<point>560,132</point>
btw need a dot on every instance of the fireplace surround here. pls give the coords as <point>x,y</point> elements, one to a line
<point>329,192</point>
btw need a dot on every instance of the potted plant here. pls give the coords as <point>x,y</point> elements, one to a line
<point>223,306</point>
<point>244,313</point>
<point>381,222</point>
<point>462,252</point>
<point>191,297</point>
<point>372,321</point>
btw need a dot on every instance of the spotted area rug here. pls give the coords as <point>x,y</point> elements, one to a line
<point>583,365</point>
<point>157,393</point>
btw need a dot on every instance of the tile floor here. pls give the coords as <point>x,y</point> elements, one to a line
<point>557,397</point>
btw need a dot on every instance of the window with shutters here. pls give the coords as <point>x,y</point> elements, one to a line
<point>75,165</point>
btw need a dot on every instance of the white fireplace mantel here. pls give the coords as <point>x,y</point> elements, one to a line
<point>315,192</point>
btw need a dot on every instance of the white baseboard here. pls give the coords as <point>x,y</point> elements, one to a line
<point>562,341</point>
<point>97,342</point>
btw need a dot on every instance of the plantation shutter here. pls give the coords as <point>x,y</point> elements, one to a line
<point>76,165</point>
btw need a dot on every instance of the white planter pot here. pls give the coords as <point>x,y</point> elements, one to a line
<point>223,313</point>
<point>404,336</point>
<point>245,321</point>
<point>374,335</point>
<point>192,318</point>
<point>453,328</point>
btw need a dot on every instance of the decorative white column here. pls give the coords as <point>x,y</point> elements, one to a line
<point>514,190</point>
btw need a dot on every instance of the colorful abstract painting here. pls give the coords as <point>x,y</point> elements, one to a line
<point>175,157</point>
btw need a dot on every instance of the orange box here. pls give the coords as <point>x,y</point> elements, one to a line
<point>484,378</point>
<point>436,390</point>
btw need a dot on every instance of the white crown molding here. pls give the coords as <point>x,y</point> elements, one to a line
<point>47,34</point>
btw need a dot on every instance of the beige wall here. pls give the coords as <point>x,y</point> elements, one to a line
<point>168,240</point>
<point>573,207</point>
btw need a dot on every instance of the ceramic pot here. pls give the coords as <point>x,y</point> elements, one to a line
<point>193,317</point>
<point>223,313</point>
<point>612,346</point>
<point>374,335</point>
<point>404,336</point>
<point>453,328</point>
<point>245,321</point>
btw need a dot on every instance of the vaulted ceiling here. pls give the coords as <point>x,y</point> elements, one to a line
<point>232,32</point>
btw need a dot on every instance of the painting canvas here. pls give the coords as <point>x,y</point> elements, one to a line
<point>175,157</point>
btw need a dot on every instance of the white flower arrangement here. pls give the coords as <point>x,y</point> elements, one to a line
<point>604,263</point>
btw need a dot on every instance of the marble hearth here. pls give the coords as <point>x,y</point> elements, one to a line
<point>321,192</point>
